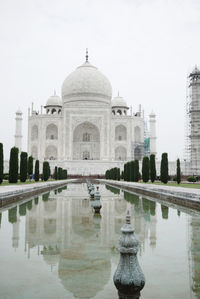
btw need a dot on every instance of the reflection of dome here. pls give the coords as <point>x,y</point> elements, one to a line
<point>50,255</point>
<point>84,273</point>
<point>119,102</point>
<point>54,101</point>
<point>86,82</point>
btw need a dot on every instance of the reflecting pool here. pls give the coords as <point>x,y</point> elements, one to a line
<point>53,246</point>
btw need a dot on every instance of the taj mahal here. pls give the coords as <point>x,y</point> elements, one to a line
<point>86,130</point>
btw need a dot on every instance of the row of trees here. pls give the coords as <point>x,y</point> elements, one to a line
<point>131,170</point>
<point>113,174</point>
<point>25,168</point>
<point>59,173</point>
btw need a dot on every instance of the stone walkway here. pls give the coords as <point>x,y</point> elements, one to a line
<point>181,195</point>
<point>9,192</point>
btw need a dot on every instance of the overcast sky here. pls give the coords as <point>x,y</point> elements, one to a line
<point>146,48</point>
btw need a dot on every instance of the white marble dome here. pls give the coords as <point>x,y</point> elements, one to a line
<point>54,100</point>
<point>119,102</point>
<point>86,83</point>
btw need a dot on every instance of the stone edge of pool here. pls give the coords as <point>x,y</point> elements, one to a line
<point>187,198</point>
<point>16,193</point>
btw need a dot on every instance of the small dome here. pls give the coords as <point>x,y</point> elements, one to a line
<point>195,74</point>
<point>119,102</point>
<point>18,111</point>
<point>86,83</point>
<point>196,70</point>
<point>152,114</point>
<point>54,100</point>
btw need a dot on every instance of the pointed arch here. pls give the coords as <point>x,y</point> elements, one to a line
<point>120,132</point>
<point>52,132</point>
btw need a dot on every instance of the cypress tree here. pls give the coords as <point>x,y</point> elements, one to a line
<point>30,166</point>
<point>164,169</point>
<point>13,165</point>
<point>145,169</point>
<point>49,170</point>
<point>125,168</point>
<point>45,170</point>
<point>56,173</point>
<point>152,168</point>
<point>122,175</point>
<point>136,171</point>
<point>1,163</point>
<point>118,174</point>
<point>132,171</point>
<point>59,173</point>
<point>128,171</point>
<point>23,166</point>
<point>37,171</point>
<point>65,174</point>
<point>178,171</point>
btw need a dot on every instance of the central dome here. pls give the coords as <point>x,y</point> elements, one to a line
<point>86,83</point>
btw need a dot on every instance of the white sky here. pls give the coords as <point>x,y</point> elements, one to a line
<point>145,47</point>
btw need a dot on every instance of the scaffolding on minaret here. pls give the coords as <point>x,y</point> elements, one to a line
<point>192,124</point>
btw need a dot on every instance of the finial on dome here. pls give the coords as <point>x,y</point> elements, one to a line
<point>54,92</point>
<point>86,56</point>
<point>118,94</point>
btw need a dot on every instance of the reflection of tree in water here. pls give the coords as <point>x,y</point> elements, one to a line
<point>45,197</point>
<point>195,255</point>
<point>152,207</point>
<point>36,200</point>
<point>113,189</point>
<point>0,219</point>
<point>132,198</point>
<point>165,211</point>
<point>146,208</point>
<point>146,205</point>
<point>29,205</point>
<point>61,189</point>
<point>12,215</point>
<point>22,209</point>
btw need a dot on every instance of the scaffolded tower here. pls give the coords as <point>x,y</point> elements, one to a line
<point>193,111</point>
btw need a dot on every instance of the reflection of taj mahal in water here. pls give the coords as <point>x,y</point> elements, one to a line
<point>81,246</point>
<point>66,233</point>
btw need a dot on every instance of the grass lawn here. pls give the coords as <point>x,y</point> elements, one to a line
<point>174,184</point>
<point>6,183</point>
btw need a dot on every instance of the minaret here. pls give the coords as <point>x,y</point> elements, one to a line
<point>18,130</point>
<point>194,117</point>
<point>152,125</point>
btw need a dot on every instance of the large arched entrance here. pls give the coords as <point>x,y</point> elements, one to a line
<point>86,142</point>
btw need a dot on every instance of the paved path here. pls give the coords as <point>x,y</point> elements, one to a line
<point>181,195</point>
<point>10,193</point>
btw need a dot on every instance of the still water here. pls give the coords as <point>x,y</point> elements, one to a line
<point>53,246</point>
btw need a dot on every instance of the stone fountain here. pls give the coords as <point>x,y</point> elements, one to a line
<point>97,203</point>
<point>128,278</point>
